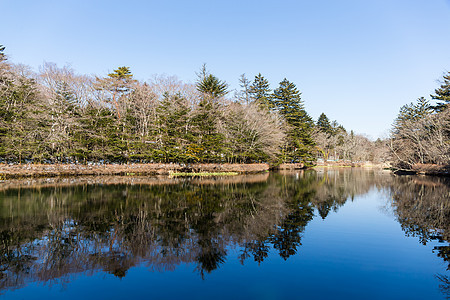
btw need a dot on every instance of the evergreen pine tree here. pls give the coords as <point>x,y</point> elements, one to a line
<point>118,83</point>
<point>442,94</point>
<point>2,55</point>
<point>260,91</point>
<point>64,115</point>
<point>287,101</point>
<point>20,129</point>
<point>207,141</point>
<point>97,136</point>
<point>323,123</point>
<point>412,112</point>
<point>210,86</point>
<point>173,125</point>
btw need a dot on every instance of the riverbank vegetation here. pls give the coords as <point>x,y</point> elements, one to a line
<point>58,116</point>
<point>420,138</point>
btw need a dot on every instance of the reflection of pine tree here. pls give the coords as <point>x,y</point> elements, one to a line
<point>324,209</point>
<point>116,263</point>
<point>260,251</point>
<point>119,226</point>
<point>444,253</point>
<point>444,285</point>
<point>210,256</point>
<point>298,197</point>
<point>257,248</point>
<point>288,238</point>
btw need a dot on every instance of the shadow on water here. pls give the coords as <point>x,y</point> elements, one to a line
<point>53,229</point>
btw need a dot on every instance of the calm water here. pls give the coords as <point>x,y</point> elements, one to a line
<point>324,234</point>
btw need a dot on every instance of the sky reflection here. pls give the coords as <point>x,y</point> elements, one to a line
<point>343,234</point>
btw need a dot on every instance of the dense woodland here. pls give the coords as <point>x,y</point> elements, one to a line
<point>56,115</point>
<point>59,116</point>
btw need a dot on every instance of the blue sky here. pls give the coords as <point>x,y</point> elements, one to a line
<point>358,61</point>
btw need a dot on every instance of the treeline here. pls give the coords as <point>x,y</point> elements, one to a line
<point>58,116</point>
<point>335,143</point>
<point>421,132</point>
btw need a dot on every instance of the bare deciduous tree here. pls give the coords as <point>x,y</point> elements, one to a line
<point>252,130</point>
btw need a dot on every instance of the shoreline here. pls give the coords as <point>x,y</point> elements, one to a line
<point>12,171</point>
<point>18,171</point>
<point>424,169</point>
<point>70,181</point>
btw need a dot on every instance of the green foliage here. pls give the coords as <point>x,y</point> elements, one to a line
<point>413,112</point>
<point>287,101</point>
<point>173,128</point>
<point>323,123</point>
<point>121,73</point>
<point>64,117</point>
<point>210,85</point>
<point>207,141</point>
<point>20,128</point>
<point>420,135</point>
<point>261,92</point>
<point>2,55</point>
<point>442,93</point>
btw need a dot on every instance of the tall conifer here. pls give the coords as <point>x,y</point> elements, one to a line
<point>260,91</point>
<point>173,126</point>
<point>287,101</point>
<point>442,93</point>
<point>323,123</point>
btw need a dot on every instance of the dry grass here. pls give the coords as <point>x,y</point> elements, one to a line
<point>42,170</point>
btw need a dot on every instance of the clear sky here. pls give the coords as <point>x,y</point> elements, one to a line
<point>358,61</point>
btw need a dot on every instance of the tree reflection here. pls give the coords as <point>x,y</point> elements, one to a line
<point>54,230</point>
<point>422,207</point>
<point>257,248</point>
<point>444,285</point>
<point>211,255</point>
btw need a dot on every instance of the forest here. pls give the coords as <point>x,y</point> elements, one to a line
<point>58,116</point>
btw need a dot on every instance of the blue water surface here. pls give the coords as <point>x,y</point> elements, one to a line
<point>359,250</point>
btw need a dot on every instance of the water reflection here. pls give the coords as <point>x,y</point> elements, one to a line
<point>422,207</point>
<point>59,227</point>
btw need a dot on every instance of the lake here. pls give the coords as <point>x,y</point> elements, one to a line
<point>343,233</point>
